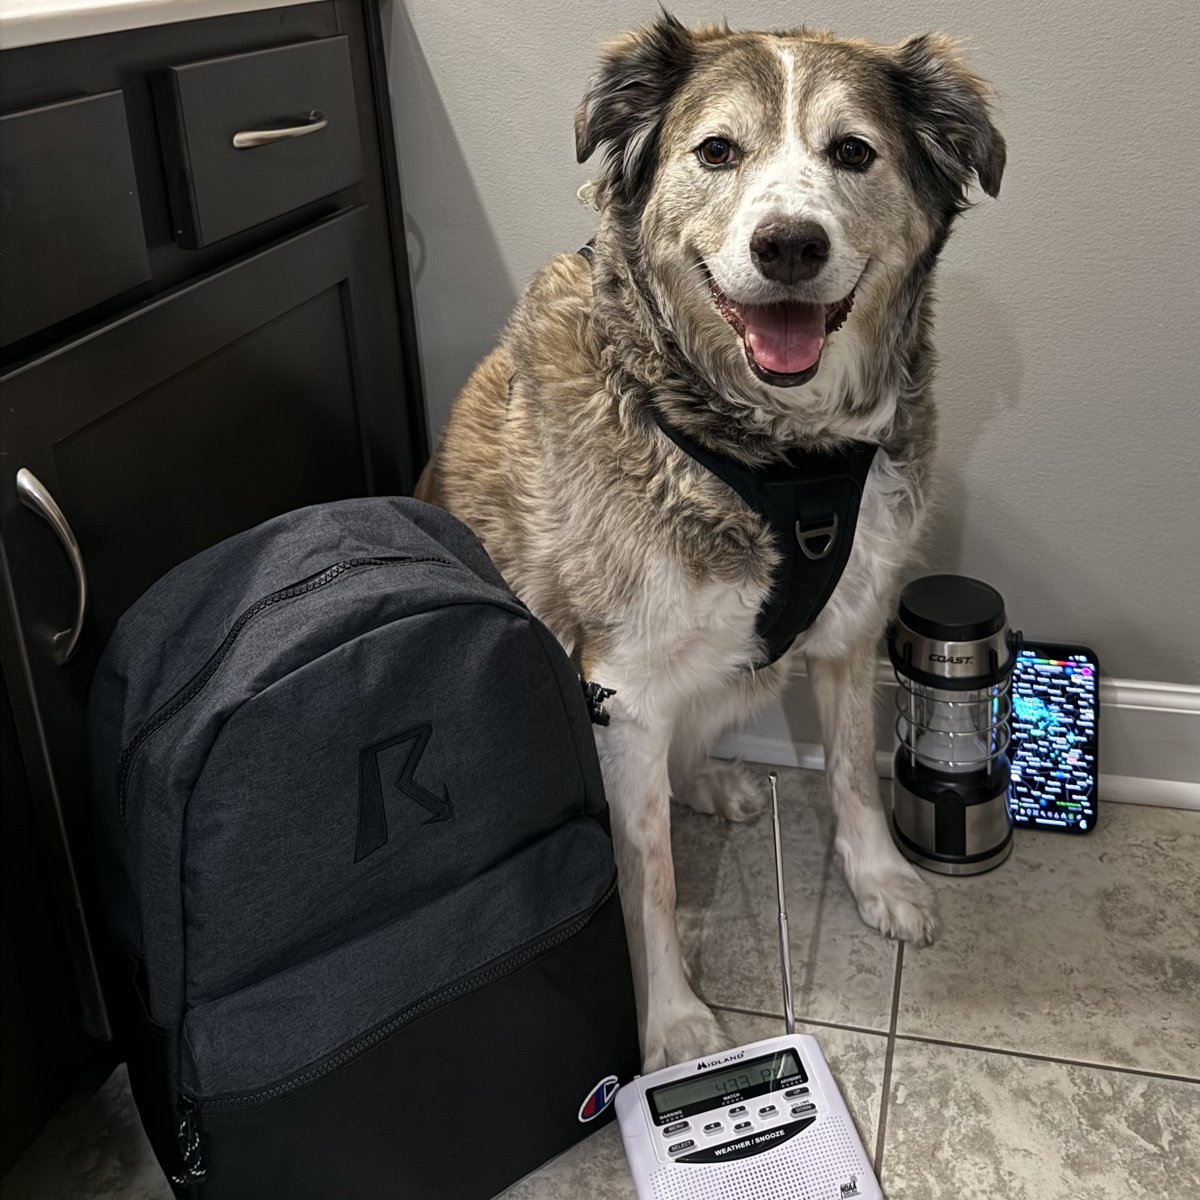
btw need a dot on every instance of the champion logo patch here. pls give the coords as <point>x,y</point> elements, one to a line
<point>599,1098</point>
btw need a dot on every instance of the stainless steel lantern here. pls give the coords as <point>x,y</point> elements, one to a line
<point>953,655</point>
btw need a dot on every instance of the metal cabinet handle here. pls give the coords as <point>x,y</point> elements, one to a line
<point>250,138</point>
<point>34,495</point>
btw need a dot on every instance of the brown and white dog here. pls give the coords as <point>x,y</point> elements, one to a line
<point>771,209</point>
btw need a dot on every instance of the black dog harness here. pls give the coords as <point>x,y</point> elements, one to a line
<point>810,503</point>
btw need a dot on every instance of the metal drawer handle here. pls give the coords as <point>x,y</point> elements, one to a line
<point>34,495</point>
<point>250,138</point>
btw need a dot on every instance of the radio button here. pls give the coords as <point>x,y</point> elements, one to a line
<point>768,1110</point>
<point>680,1147</point>
<point>741,1126</point>
<point>739,1111</point>
<point>799,1110</point>
<point>792,1093</point>
<point>713,1127</point>
<point>677,1127</point>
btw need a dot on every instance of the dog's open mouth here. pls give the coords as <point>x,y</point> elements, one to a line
<point>783,342</point>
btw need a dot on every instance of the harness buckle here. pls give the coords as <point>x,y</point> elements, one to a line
<point>816,541</point>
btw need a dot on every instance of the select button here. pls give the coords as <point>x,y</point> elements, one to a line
<point>680,1147</point>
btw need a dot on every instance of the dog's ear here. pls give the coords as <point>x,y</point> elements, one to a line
<point>624,106</point>
<point>948,106</point>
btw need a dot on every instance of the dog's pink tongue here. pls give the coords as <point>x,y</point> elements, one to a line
<point>785,338</point>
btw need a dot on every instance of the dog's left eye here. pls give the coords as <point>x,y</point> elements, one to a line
<point>853,152</point>
<point>717,152</point>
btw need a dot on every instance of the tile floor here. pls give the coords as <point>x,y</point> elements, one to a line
<point>1047,1046</point>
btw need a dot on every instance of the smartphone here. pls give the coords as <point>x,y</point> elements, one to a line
<point>1053,753</point>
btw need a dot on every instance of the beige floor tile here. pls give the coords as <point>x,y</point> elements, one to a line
<point>595,1169</point>
<point>1081,949</point>
<point>1077,947</point>
<point>843,972</point>
<point>972,1125</point>
<point>94,1149</point>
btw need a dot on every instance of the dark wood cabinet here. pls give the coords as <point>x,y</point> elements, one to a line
<point>55,206</point>
<point>272,368</point>
<point>261,388</point>
<point>43,1047</point>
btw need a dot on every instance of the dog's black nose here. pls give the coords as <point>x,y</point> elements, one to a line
<point>789,251</point>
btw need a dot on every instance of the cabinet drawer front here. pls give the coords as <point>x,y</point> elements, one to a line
<point>70,220</point>
<point>304,90</point>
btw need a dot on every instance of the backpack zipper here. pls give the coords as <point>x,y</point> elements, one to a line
<point>201,679</point>
<point>506,965</point>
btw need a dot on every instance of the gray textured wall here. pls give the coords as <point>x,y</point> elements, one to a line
<point>1069,316</point>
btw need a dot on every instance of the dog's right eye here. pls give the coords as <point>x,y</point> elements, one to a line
<point>854,153</point>
<point>717,152</point>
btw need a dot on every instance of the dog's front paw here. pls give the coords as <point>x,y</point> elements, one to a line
<point>898,902</point>
<point>725,789</point>
<point>689,1031</point>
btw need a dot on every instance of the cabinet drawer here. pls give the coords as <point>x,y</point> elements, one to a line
<point>70,220</point>
<point>299,99</point>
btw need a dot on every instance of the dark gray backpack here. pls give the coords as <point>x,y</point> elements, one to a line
<point>355,853</point>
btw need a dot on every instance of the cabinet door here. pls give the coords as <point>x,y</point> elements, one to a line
<point>42,1046</point>
<point>267,386</point>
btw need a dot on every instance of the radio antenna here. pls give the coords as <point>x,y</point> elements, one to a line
<point>785,954</point>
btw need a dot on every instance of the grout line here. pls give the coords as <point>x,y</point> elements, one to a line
<point>800,1019</point>
<point>1049,1058</point>
<point>885,1093</point>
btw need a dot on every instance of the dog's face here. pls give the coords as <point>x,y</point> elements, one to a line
<point>772,183</point>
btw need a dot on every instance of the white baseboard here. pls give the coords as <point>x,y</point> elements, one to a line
<point>1160,793</point>
<point>1149,739</point>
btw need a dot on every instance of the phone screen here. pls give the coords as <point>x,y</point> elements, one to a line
<point>1055,701</point>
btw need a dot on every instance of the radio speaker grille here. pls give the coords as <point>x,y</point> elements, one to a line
<point>813,1166</point>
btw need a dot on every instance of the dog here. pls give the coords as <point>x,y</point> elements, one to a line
<point>771,209</point>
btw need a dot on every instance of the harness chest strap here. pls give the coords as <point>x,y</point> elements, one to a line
<point>810,503</point>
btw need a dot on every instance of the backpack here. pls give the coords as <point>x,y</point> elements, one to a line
<point>356,862</point>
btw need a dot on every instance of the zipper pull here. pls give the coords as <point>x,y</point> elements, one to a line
<point>194,1170</point>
